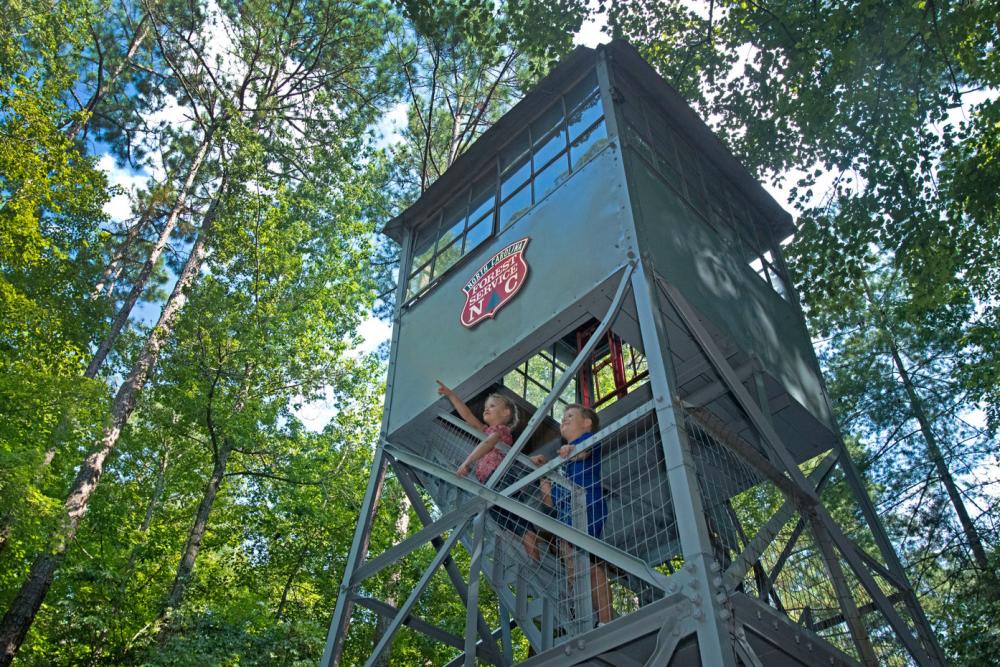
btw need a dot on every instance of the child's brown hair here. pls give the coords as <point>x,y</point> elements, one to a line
<point>511,407</point>
<point>587,413</point>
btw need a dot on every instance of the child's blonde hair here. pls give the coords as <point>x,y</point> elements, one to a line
<point>511,407</point>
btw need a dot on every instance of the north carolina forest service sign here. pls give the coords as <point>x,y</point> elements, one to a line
<point>494,284</point>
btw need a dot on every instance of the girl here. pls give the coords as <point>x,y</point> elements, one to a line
<point>499,417</point>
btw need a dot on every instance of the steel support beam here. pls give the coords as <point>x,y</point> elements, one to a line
<point>404,611</point>
<point>411,621</point>
<point>409,485</point>
<point>610,637</point>
<point>757,419</point>
<point>715,645</point>
<point>359,547</point>
<point>766,534</point>
<point>472,601</point>
<point>804,645</point>
<point>414,542</point>
<point>848,606</point>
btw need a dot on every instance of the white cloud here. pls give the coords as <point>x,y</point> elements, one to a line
<point>594,29</point>
<point>375,332</point>
<point>390,127</point>
<point>119,208</point>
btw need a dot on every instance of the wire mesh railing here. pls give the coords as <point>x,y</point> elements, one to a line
<point>563,558</point>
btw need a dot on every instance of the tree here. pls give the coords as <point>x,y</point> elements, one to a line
<point>286,117</point>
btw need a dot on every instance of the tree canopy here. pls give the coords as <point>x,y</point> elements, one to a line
<point>162,500</point>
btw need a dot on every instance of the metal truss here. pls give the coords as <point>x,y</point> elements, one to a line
<point>700,609</point>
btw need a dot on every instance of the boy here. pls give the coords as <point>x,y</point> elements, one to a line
<point>584,469</point>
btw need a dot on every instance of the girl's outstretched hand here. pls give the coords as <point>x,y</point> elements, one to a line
<point>443,390</point>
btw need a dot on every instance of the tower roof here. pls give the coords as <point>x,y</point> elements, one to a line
<point>624,56</point>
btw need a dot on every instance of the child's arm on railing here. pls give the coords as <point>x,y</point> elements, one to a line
<point>544,485</point>
<point>463,410</point>
<point>481,450</point>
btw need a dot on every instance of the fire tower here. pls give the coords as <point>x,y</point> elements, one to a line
<point>599,245</point>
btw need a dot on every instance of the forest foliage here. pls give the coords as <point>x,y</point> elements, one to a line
<point>163,501</point>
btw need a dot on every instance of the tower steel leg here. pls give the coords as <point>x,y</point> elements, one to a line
<point>359,548</point>
<point>472,600</point>
<point>715,645</point>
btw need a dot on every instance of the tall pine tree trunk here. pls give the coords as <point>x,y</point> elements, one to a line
<point>139,286</point>
<point>937,458</point>
<point>138,37</point>
<point>109,278</point>
<point>197,533</point>
<point>222,448</point>
<point>25,605</point>
<point>934,452</point>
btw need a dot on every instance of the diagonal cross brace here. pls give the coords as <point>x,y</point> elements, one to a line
<point>755,548</point>
<point>406,480</point>
<point>413,542</point>
<point>764,428</point>
<point>404,611</point>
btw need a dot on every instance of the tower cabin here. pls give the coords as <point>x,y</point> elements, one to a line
<point>600,246</point>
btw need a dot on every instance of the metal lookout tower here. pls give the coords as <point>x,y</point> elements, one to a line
<point>599,245</point>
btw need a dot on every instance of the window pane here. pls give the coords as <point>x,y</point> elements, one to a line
<point>581,90</point>
<point>420,279</point>
<point>535,394</point>
<point>584,116</point>
<point>515,207</point>
<point>515,380</point>
<point>551,177</point>
<point>663,136</point>
<point>452,227</point>
<point>548,149</point>
<point>478,233</point>
<point>548,120</point>
<point>639,142</point>
<point>423,245</point>
<point>695,190</point>
<point>569,393</point>
<point>540,370</point>
<point>483,197</point>
<point>447,257</point>
<point>587,145</point>
<point>666,167</point>
<point>514,152</point>
<point>514,178</point>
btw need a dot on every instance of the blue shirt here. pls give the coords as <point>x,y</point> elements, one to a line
<point>587,474</point>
